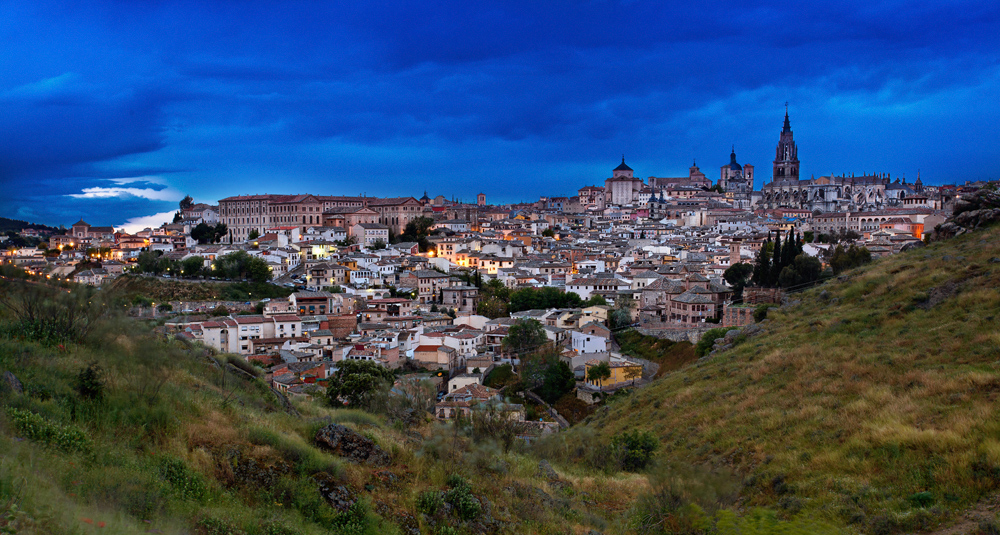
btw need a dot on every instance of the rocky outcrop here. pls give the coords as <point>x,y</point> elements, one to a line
<point>349,444</point>
<point>731,337</point>
<point>977,210</point>
<point>340,497</point>
<point>12,382</point>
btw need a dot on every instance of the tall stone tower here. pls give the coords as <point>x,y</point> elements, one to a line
<point>786,159</point>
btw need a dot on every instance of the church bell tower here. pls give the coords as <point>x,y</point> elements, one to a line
<point>786,159</point>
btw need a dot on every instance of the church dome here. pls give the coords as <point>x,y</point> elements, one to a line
<point>732,161</point>
<point>623,167</point>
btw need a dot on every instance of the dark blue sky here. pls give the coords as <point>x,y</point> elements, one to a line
<point>115,110</point>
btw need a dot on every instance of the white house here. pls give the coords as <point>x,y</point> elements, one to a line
<point>588,343</point>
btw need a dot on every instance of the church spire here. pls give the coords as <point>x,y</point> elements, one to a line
<point>788,126</point>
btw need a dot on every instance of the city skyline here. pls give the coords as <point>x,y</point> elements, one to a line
<point>122,110</point>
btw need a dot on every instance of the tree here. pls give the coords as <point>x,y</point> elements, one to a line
<point>737,276</point>
<point>596,300</point>
<point>558,381</point>
<point>417,230</point>
<point>491,420</point>
<point>178,217</point>
<point>495,288</point>
<point>220,231</point>
<point>148,261</point>
<point>806,269</point>
<point>186,203</point>
<point>843,260</point>
<point>772,277</point>
<point>547,297</point>
<point>193,266</point>
<point>378,245</point>
<point>536,364</point>
<point>599,372</point>
<point>523,336</point>
<point>762,267</point>
<point>619,318</point>
<point>253,235</point>
<point>203,233</point>
<point>633,372</point>
<point>549,233</point>
<point>257,270</point>
<point>492,308</point>
<point>358,382</point>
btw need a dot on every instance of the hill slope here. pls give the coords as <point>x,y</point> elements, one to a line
<point>870,401</point>
<point>177,440</point>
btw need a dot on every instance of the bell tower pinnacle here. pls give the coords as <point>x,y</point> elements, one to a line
<point>786,159</point>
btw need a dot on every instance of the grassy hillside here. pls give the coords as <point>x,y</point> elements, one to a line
<point>870,402</point>
<point>176,442</point>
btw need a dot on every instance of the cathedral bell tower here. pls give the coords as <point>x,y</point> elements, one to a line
<point>786,159</point>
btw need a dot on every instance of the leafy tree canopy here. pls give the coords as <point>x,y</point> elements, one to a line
<point>358,382</point>
<point>525,335</point>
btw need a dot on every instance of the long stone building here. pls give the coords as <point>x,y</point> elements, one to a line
<point>244,214</point>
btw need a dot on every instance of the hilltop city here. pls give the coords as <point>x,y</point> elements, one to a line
<point>685,354</point>
<point>440,283</point>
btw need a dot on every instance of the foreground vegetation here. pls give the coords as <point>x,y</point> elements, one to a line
<point>869,402</point>
<point>119,430</point>
<point>865,406</point>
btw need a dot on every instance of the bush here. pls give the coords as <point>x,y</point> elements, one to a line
<point>634,449</point>
<point>38,428</point>
<point>708,340</point>
<point>186,483</point>
<point>760,313</point>
<point>429,502</point>
<point>89,383</point>
<point>467,507</point>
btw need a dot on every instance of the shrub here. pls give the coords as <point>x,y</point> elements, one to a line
<point>760,313</point>
<point>36,427</point>
<point>89,383</point>
<point>216,526</point>
<point>467,507</point>
<point>708,339</point>
<point>634,449</point>
<point>921,499</point>
<point>186,483</point>
<point>429,502</point>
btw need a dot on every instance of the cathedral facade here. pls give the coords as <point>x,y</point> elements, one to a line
<point>826,193</point>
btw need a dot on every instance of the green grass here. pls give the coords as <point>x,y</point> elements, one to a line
<point>179,443</point>
<point>857,399</point>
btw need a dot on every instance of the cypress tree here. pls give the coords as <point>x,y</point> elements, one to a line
<point>791,249</point>
<point>772,278</point>
<point>761,267</point>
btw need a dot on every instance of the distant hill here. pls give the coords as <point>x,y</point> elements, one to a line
<point>16,225</point>
<point>870,401</point>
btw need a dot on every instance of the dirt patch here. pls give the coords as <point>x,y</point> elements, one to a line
<point>970,520</point>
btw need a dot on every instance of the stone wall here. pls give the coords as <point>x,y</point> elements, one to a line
<point>691,334</point>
